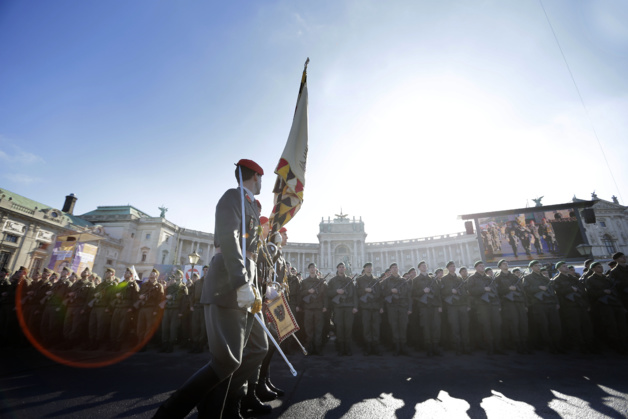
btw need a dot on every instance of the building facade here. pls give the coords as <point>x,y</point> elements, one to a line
<point>127,236</point>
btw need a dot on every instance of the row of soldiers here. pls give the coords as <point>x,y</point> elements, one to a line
<point>504,308</point>
<point>65,311</point>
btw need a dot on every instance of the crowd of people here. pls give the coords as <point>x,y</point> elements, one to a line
<point>64,310</point>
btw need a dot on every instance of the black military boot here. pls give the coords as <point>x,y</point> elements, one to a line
<point>274,388</point>
<point>182,401</point>
<point>251,403</point>
<point>263,392</point>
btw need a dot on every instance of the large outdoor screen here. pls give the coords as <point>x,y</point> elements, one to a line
<point>533,235</point>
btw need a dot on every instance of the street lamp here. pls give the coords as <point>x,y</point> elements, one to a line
<point>584,249</point>
<point>193,258</point>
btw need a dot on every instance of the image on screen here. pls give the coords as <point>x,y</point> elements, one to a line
<point>533,235</point>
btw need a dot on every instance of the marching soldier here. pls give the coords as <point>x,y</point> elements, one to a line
<point>100,316</point>
<point>455,297</point>
<point>544,305</point>
<point>514,310</point>
<point>33,307</point>
<point>197,332</point>
<point>397,293</point>
<point>151,294</point>
<point>370,304</point>
<point>313,304</point>
<point>344,302</point>
<point>427,300</point>
<point>123,296</point>
<point>607,307</point>
<point>574,308</point>
<point>483,291</point>
<point>175,303</point>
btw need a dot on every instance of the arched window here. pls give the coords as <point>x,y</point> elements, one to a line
<point>609,244</point>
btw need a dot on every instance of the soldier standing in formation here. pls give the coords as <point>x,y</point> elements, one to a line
<point>198,335</point>
<point>370,305</point>
<point>175,304</point>
<point>574,308</point>
<point>607,307</point>
<point>543,302</point>
<point>513,303</point>
<point>151,295</point>
<point>619,275</point>
<point>456,302</point>
<point>344,302</point>
<point>486,301</point>
<point>427,300</point>
<point>100,316</point>
<point>313,304</point>
<point>75,323</point>
<point>124,295</point>
<point>397,292</point>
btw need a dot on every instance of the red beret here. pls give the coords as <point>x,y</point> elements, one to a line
<point>250,164</point>
<point>263,220</point>
<point>283,230</point>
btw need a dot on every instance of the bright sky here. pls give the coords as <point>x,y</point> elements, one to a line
<point>419,110</point>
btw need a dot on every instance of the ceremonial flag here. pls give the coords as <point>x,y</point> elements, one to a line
<point>290,170</point>
<point>279,313</point>
<point>136,277</point>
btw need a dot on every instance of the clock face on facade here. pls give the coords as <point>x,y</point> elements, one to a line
<point>54,214</point>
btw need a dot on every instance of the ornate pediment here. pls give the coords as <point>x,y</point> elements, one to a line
<point>45,236</point>
<point>13,227</point>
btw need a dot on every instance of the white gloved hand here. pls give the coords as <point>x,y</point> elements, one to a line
<point>246,296</point>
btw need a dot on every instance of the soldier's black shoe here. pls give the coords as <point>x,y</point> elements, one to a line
<point>274,388</point>
<point>348,351</point>
<point>253,404</point>
<point>264,393</point>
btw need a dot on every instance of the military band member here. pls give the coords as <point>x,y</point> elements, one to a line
<point>534,232</point>
<point>313,304</point>
<point>227,296</point>
<point>124,295</point>
<point>100,315</point>
<point>607,307</point>
<point>455,299</point>
<point>427,301</point>
<point>370,305</point>
<point>147,305</point>
<point>344,302</point>
<point>619,275</point>
<point>574,308</point>
<point>486,301</point>
<point>514,310</point>
<point>544,305</point>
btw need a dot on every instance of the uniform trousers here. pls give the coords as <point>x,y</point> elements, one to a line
<point>490,320</point>
<point>577,324</point>
<point>458,319</point>
<point>170,325</point>
<point>547,322</point>
<point>197,327</point>
<point>515,320</point>
<point>398,319</point>
<point>145,322</point>
<point>120,321</point>
<point>99,323</point>
<point>313,323</point>
<point>343,319</point>
<point>72,324</point>
<point>371,320</point>
<point>429,320</point>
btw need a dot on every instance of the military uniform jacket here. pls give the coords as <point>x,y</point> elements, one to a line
<point>129,292</point>
<point>476,284</point>
<point>534,294</point>
<point>101,295</point>
<point>231,269</point>
<point>179,300</point>
<point>374,300</point>
<point>596,284</point>
<point>59,290</point>
<point>195,292</point>
<point>619,275</point>
<point>563,285</point>
<point>419,283</point>
<point>153,294</point>
<point>5,291</point>
<point>348,299</point>
<point>504,281</point>
<point>33,288</point>
<point>294,286</point>
<point>449,282</point>
<point>81,292</point>
<point>403,298</point>
<point>318,300</point>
